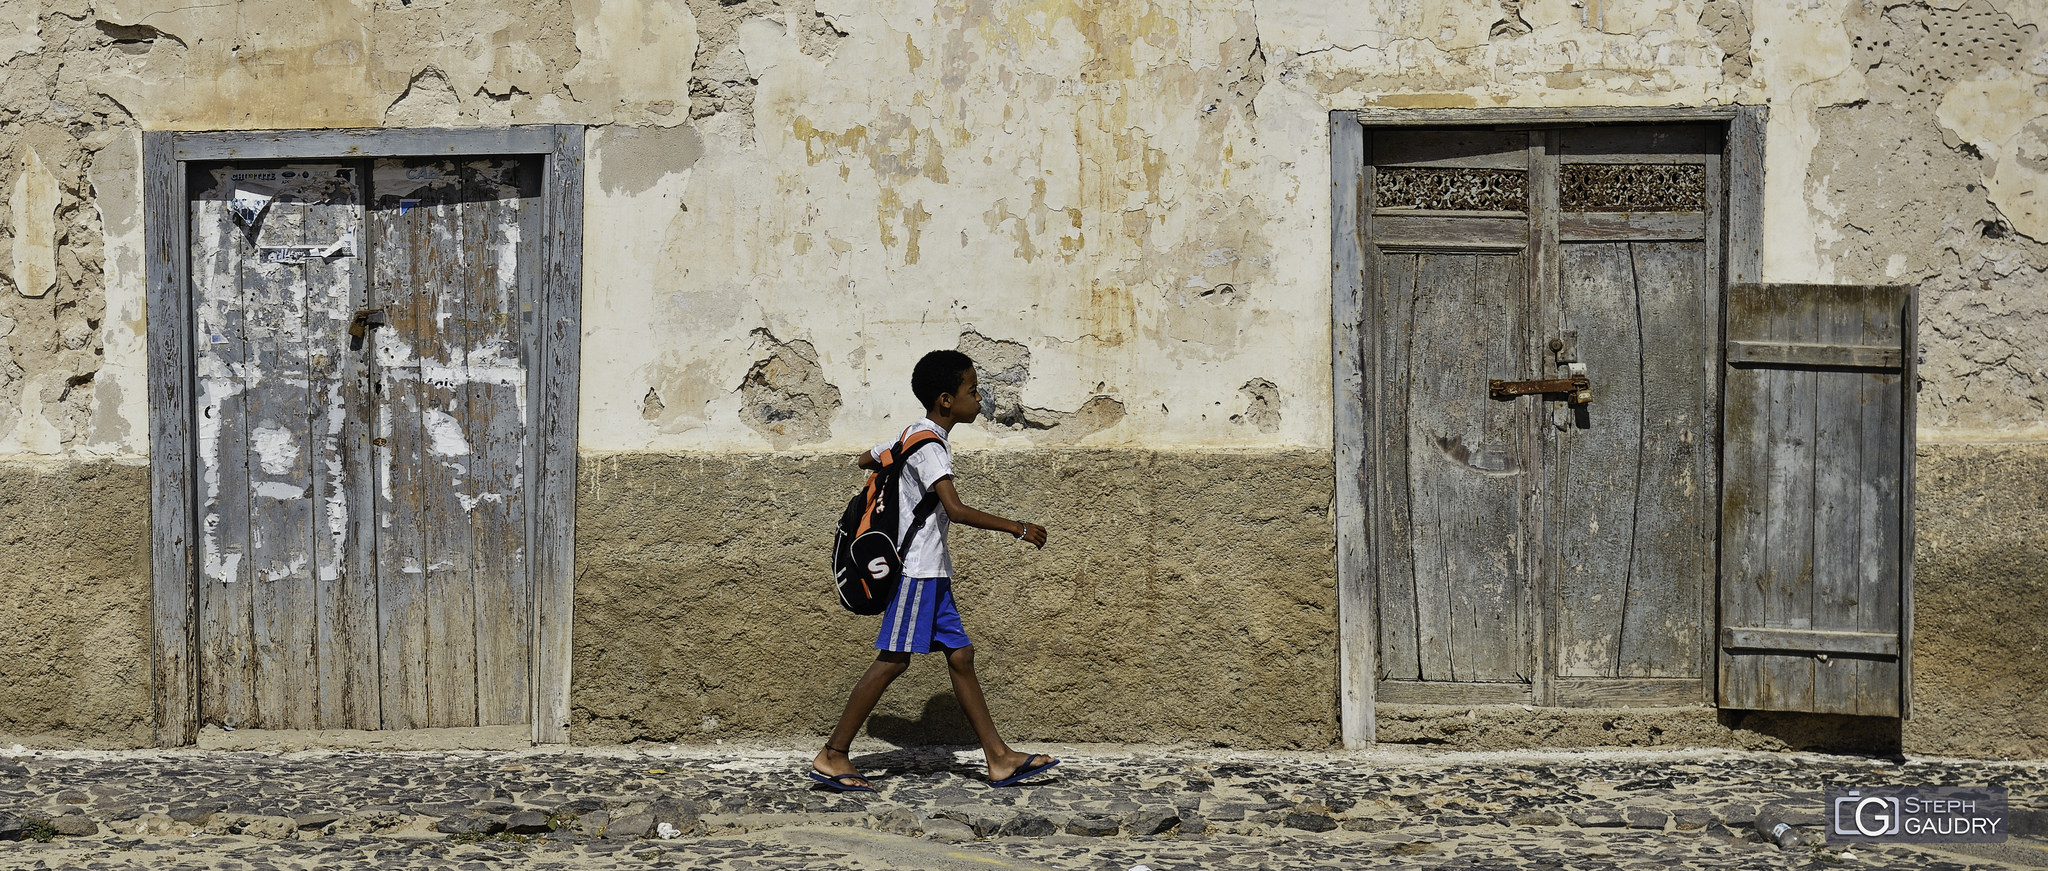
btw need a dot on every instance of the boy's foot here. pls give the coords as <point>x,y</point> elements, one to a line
<point>842,782</point>
<point>834,768</point>
<point>1019,767</point>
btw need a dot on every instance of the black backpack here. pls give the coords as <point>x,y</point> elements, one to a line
<point>867,560</point>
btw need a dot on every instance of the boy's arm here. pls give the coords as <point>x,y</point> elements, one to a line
<point>867,460</point>
<point>959,512</point>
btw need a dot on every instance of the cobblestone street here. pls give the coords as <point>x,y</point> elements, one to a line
<point>750,807</point>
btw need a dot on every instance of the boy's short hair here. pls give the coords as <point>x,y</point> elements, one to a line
<point>938,372</point>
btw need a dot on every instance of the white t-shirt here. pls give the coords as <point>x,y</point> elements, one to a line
<point>927,556</point>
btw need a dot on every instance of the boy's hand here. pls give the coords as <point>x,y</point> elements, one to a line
<point>1032,533</point>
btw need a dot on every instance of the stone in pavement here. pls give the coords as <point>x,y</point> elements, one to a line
<point>1092,825</point>
<point>317,820</point>
<point>1691,819</point>
<point>1151,821</point>
<point>75,825</point>
<point>1595,818</point>
<point>12,828</point>
<point>1309,819</point>
<point>631,827</point>
<point>950,831</point>
<point>471,824</point>
<point>1027,825</point>
<point>1537,817</point>
<point>1639,817</point>
<point>527,823</point>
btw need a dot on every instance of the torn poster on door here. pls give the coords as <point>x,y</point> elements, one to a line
<point>251,190</point>
<point>294,254</point>
<point>250,201</point>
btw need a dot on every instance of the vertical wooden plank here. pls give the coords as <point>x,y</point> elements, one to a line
<point>1599,493</point>
<point>221,259</point>
<point>1908,454</point>
<point>356,609</point>
<point>401,232</point>
<point>1788,601</point>
<point>494,421</point>
<point>439,339</point>
<point>1661,624</point>
<point>1838,482</point>
<point>1392,519</point>
<point>174,661</point>
<point>341,629</point>
<point>1357,634</point>
<point>1539,439</point>
<point>553,540</point>
<point>1465,467</point>
<point>1745,165</point>
<point>1712,302</point>
<point>1745,499</point>
<point>280,468</point>
<point>439,278</point>
<point>1881,515</point>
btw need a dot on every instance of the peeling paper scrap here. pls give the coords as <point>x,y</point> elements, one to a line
<point>342,247</point>
<point>389,180</point>
<point>250,202</point>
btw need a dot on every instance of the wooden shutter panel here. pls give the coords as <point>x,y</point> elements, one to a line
<point>1817,458</point>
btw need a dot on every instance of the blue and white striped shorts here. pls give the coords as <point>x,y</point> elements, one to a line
<point>921,616</point>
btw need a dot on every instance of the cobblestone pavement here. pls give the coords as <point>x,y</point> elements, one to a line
<point>749,807</point>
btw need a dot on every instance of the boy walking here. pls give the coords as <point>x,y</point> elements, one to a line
<point>922,618</point>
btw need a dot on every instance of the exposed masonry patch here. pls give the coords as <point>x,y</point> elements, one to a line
<point>1915,209</point>
<point>1244,71</point>
<point>1728,21</point>
<point>428,98</point>
<point>50,323</point>
<point>1262,406</point>
<point>720,81</point>
<point>1512,23</point>
<point>1004,366</point>
<point>785,396</point>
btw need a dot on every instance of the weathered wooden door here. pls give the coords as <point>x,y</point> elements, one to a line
<point>1547,543</point>
<point>362,426</point>
<point>1817,512</point>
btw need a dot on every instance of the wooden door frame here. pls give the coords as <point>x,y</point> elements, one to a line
<point>1351,279</point>
<point>551,457</point>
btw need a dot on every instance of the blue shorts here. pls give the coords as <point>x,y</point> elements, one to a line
<point>922,616</point>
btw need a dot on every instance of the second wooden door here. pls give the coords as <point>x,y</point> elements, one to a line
<point>1537,541</point>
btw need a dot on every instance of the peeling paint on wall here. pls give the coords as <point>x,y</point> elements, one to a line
<point>35,227</point>
<point>1924,178</point>
<point>1134,192</point>
<point>1004,367</point>
<point>785,396</point>
<point>1262,406</point>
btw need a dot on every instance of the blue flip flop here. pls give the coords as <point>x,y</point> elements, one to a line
<point>839,782</point>
<point>1027,773</point>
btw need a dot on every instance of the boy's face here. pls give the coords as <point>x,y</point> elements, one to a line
<point>966,401</point>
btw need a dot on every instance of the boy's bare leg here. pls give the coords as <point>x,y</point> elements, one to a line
<point>832,760</point>
<point>1002,761</point>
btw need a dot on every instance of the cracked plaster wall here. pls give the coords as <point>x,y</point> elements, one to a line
<point>1135,192</point>
<point>1124,204</point>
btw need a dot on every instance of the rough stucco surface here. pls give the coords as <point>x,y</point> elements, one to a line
<point>1980,590</point>
<point>1933,172</point>
<point>74,604</point>
<point>1184,596</point>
